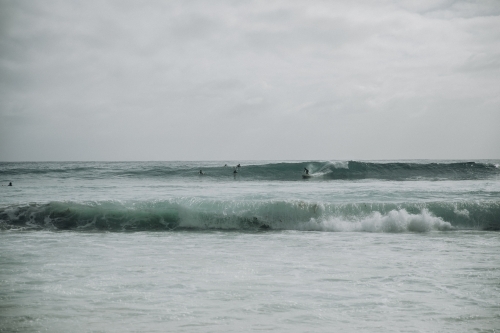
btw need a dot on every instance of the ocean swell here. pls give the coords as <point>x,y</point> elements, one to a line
<point>284,171</point>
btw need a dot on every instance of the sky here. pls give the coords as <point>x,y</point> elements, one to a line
<point>249,80</point>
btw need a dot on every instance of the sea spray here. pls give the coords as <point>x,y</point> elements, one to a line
<point>394,221</point>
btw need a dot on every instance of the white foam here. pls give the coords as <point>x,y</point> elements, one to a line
<point>394,221</point>
<point>463,212</point>
<point>340,164</point>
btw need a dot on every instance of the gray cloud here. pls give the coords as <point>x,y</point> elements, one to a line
<point>121,80</point>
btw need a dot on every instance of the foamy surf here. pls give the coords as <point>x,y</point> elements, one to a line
<point>395,221</point>
<point>155,246</point>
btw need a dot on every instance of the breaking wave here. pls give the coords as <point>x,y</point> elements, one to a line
<point>202,214</point>
<point>285,171</point>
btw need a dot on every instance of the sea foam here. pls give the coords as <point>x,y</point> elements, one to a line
<point>394,221</point>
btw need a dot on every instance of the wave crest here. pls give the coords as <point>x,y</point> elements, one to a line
<point>394,221</point>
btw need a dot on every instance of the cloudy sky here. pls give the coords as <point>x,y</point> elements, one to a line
<point>249,80</point>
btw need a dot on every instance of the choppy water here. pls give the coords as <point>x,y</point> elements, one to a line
<point>154,246</point>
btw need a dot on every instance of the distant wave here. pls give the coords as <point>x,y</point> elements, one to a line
<point>203,214</point>
<point>353,170</point>
<point>348,170</point>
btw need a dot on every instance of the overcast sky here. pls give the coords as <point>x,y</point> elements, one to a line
<point>249,80</point>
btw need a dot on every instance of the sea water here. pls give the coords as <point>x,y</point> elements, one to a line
<point>399,246</point>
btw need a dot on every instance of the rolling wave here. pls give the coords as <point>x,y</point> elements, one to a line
<point>285,171</point>
<point>202,214</point>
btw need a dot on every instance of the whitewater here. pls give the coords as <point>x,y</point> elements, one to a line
<point>370,246</point>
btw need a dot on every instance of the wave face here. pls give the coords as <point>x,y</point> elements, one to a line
<point>285,171</point>
<point>198,214</point>
<point>353,170</point>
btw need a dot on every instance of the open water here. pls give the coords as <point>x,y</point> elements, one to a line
<point>380,246</point>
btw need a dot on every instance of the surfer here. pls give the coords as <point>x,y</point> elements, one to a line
<point>10,184</point>
<point>201,172</point>
<point>235,171</point>
<point>238,166</point>
<point>306,171</point>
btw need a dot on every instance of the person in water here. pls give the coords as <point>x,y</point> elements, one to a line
<point>306,171</point>
<point>235,172</point>
<point>238,166</point>
<point>10,184</point>
<point>201,172</point>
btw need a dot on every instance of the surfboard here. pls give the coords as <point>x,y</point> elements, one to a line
<point>306,175</point>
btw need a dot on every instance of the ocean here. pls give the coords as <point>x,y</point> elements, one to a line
<point>357,246</point>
